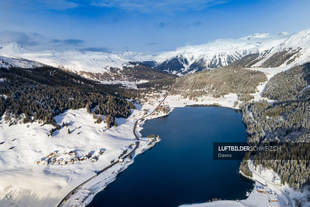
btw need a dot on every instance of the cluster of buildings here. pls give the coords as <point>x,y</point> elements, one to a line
<point>272,196</point>
<point>56,158</point>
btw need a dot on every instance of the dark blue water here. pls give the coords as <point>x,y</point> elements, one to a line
<point>180,169</point>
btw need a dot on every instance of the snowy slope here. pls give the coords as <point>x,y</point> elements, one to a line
<point>74,60</point>
<point>7,62</point>
<point>298,43</point>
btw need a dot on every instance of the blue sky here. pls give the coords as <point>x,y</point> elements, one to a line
<point>145,25</point>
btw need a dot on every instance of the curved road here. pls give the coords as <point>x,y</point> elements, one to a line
<point>142,118</point>
<point>116,162</point>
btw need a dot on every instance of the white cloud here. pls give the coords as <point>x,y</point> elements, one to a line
<point>158,5</point>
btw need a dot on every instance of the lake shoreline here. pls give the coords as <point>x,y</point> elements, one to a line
<point>161,115</point>
<point>221,104</point>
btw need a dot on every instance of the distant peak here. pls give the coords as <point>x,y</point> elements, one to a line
<point>283,33</point>
<point>257,36</point>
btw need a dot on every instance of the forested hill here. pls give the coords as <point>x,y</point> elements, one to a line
<point>41,93</point>
<point>284,120</point>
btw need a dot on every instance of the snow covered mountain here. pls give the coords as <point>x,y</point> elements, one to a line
<point>74,60</point>
<point>294,50</point>
<point>258,50</point>
<point>216,54</point>
<point>107,68</point>
<point>6,62</point>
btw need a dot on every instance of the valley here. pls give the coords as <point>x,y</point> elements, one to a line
<point>63,120</point>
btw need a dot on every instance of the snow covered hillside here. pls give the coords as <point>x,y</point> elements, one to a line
<point>38,170</point>
<point>6,62</point>
<point>294,50</point>
<point>74,60</point>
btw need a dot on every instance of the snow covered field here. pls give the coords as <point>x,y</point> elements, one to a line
<point>127,84</point>
<point>39,170</point>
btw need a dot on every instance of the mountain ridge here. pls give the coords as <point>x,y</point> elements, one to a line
<point>263,49</point>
